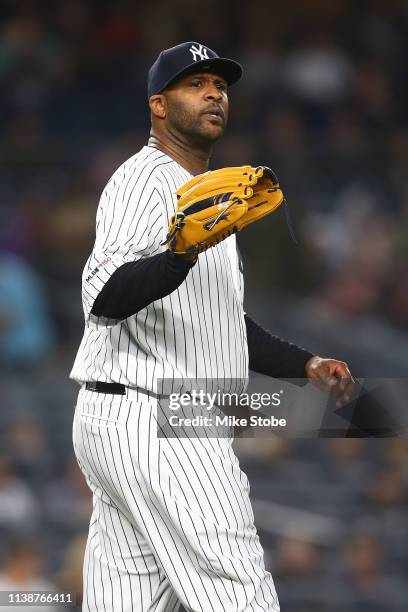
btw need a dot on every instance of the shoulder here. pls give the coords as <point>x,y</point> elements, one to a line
<point>148,177</point>
<point>136,177</point>
<point>149,168</point>
<point>146,162</point>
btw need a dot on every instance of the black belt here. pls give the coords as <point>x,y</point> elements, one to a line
<point>104,387</point>
<point>119,389</point>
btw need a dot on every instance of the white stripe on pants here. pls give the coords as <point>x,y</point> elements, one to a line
<point>172,521</point>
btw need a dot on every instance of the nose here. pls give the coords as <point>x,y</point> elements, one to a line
<point>213,93</point>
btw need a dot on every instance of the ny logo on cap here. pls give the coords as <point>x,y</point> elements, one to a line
<point>199,52</point>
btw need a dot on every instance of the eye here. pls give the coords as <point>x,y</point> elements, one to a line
<point>222,86</point>
<point>196,83</point>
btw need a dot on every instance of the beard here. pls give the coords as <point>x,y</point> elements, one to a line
<point>193,125</point>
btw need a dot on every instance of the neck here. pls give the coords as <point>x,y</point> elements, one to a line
<point>193,158</point>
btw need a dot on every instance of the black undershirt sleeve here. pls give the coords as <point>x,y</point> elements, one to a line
<point>272,356</point>
<point>136,284</point>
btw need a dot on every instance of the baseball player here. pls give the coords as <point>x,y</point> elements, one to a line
<point>172,522</point>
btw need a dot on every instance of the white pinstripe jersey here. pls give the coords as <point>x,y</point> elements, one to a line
<point>198,331</point>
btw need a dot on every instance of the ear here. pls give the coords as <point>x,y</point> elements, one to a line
<point>158,106</point>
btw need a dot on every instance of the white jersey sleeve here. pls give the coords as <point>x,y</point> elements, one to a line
<point>129,225</point>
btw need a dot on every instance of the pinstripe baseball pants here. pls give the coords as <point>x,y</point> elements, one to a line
<point>172,522</point>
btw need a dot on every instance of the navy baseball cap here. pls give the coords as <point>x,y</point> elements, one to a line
<point>185,58</point>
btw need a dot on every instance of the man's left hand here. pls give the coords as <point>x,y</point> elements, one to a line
<point>331,375</point>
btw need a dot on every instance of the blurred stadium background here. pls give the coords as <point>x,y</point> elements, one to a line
<point>324,102</point>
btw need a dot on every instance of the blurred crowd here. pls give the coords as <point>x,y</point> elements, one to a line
<point>334,521</point>
<point>323,101</point>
